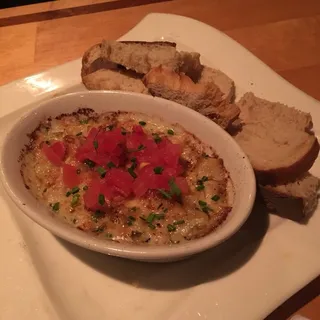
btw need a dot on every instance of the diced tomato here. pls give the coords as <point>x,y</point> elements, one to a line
<point>70,177</point>
<point>120,179</point>
<point>59,149</point>
<point>51,155</point>
<point>91,197</point>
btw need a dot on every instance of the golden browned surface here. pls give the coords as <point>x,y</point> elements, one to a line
<point>291,26</point>
<point>127,220</point>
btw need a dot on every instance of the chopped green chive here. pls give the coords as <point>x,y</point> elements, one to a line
<point>171,132</point>
<point>204,206</point>
<point>110,165</point>
<point>123,131</point>
<point>84,121</point>
<point>200,187</point>
<point>75,190</point>
<point>79,134</point>
<point>68,193</point>
<point>174,189</point>
<point>132,173</point>
<point>202,203</point>
<point>85,188</point>
<point>150,217</point>
<point>56,206</point>
<point>165,210</point>
<point>142,123</point>
<point>165,194</point>
<point>75,199</point>
<point>156,138</point>
<point>98,229</point>
<point>215,198</point>
<point>95,144</point>
<point>101,199</point>
<point>159,216</point>
<point>158,170</point>
<point>171,227</point>
<point>151,226</point>
<point>89,163</point>
<point>110,127</point>
<point>178,222</point>
<point>102,171</point>
<point>131,220</point>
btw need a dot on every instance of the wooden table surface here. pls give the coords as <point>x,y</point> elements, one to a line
<point>285,34</point>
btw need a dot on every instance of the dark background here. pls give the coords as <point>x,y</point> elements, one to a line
<point>15,3</point>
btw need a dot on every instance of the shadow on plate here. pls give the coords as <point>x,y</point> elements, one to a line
<point>205,267</point>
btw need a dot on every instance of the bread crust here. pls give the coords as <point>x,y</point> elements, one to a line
<point>283,175</point>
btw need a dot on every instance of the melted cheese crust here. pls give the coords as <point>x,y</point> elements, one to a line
<point>125,222</point>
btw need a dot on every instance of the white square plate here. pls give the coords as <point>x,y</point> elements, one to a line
<point>247,277</point>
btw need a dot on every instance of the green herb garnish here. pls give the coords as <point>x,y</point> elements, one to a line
<point>158,170</point>
<point>101,199</point>
<point>110,165</point>
<point>132,173</point>
<point>156,138</point>
<point>171,132</point>
<point>56,206</point>
<point>174,189</point>
<point>75,190</point>
<point>131,220</point>
<point>178,222</point>
<point>75,199</point>
<point>159,216</point>
<point>89,163</point>
<point>98,229</point>
<point>68,193</point>
<point>110,127</point>
<point>151,226</point>
<point>142,123</point>
<point>202,203</point>
<point>204,206</point>
<point>171,227</point>
<point>215,197</point>
<point>150,217</point>
<point>102,171</point>
<point>165,194</point>
<point>200,187</point>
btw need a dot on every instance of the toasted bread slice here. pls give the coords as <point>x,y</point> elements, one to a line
<point>277,139</point>
<point>105,79</point>
<point>221,80</point>
<point>204,98</point>
<point>295,200</point>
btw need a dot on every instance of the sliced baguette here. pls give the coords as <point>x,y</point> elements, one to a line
<point>277,139</point>
<point>105,79</point>
<point>141,56</point>
<point>295,200</point>
<point>204,98</point>
<point>222,81</point>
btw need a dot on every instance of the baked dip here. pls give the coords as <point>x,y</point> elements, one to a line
<point>127,177</point>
